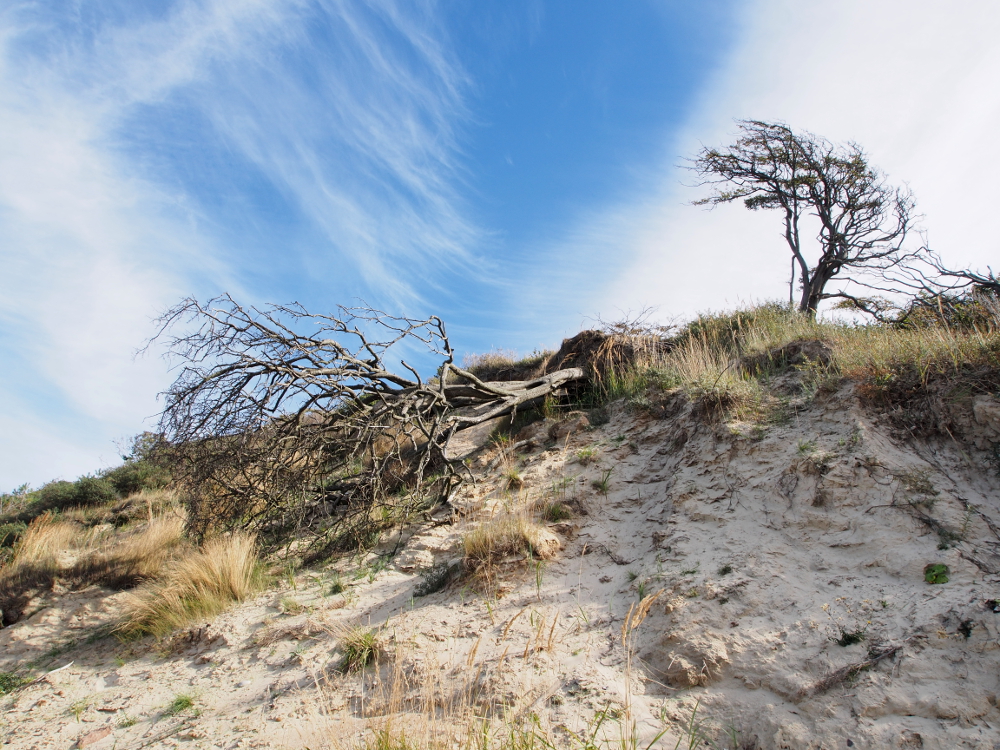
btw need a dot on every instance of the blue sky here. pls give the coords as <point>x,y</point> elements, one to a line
<point>513,167</point>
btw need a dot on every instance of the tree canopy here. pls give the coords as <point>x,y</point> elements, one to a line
<point>862,220</point>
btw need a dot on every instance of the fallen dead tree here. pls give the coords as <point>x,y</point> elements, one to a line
<point>282,420</point>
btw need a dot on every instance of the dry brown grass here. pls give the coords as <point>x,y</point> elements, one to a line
<point>42,542</point>
<point>726,360</point>
<point>876,352</point>
<point>417,705</point>
<point>150,504</point>
<point>139,556</point>
<point>35,564</point>
<point>501,538</point>
<point>500,545</point>
<point>200,585</point>
<point>504,364</point>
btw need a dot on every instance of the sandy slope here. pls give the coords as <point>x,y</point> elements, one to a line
<point>767,549</point>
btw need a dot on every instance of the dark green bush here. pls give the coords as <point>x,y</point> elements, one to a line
<point>60,495</point>
<point>11,532</point>
<point>134,476</point>
<point>53,496</point>
<point>94,491</point>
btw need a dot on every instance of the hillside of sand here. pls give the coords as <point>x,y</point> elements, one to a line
<point>782,570</point>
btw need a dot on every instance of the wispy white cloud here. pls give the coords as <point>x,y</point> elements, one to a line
<point>912,82</point>
<point>90,251</point>
<point>373,132</point>
<point>349,109</point>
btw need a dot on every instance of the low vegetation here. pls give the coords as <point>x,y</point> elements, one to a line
<point>505,364</point>
<point>730,362</point>
<point>140,555</point>
<point>493,541</point>
<point>199,585</point>
<point>360,647</point>
<point>145,469</point>
<point>125,529</point>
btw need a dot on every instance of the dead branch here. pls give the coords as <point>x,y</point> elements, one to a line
<point>845,673</point>
<point>276,430</point>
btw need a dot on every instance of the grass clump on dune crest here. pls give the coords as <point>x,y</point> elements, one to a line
<point>726,360</point>
<point>224,571</point>
<point>504,364</point>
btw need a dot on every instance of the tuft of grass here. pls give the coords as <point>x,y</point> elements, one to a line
<point>603,483</point>
<point>79,708</point>
<point>200,585</point>
<point>180,703</point>
<point>290,605</point>
<point>145,505</point>
<point>504,364</point>
<point>513,479</point>
<point>587,455</point>
<point>850,637</point>
<point>640,588</point>
<point>10,681</point>
<point>725,570</point>
<point>360,647</point>
<point>43,540</point>
<point>139,556</point>
<point>556,512</point>
<point>491,542</point>
<point>337,585</point>
<point>34,564</point>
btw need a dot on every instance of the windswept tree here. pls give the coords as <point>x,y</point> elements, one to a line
<point>862,221</point>
<point>284,421</point>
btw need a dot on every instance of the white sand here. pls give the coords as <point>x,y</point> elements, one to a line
<point>817,520</point>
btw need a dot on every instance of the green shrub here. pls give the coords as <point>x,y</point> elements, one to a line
<point>9,682</point>
<point>91,491</point>
<point>60,495</point>
<point>850,637</point>
<point>179,704</point>
<point>53,496</point>
<point>135,476</point>
<point>11,532</point>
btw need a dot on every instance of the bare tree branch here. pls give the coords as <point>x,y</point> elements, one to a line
<point>276,430</point>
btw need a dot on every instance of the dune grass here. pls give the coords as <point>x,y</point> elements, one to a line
<point>503,364</point>
<point>494,540</point>
<point>729,358</point>
<point>34,564</point>
<point>140,555</point>
<point>200,585</point>
<point>43,540</point>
